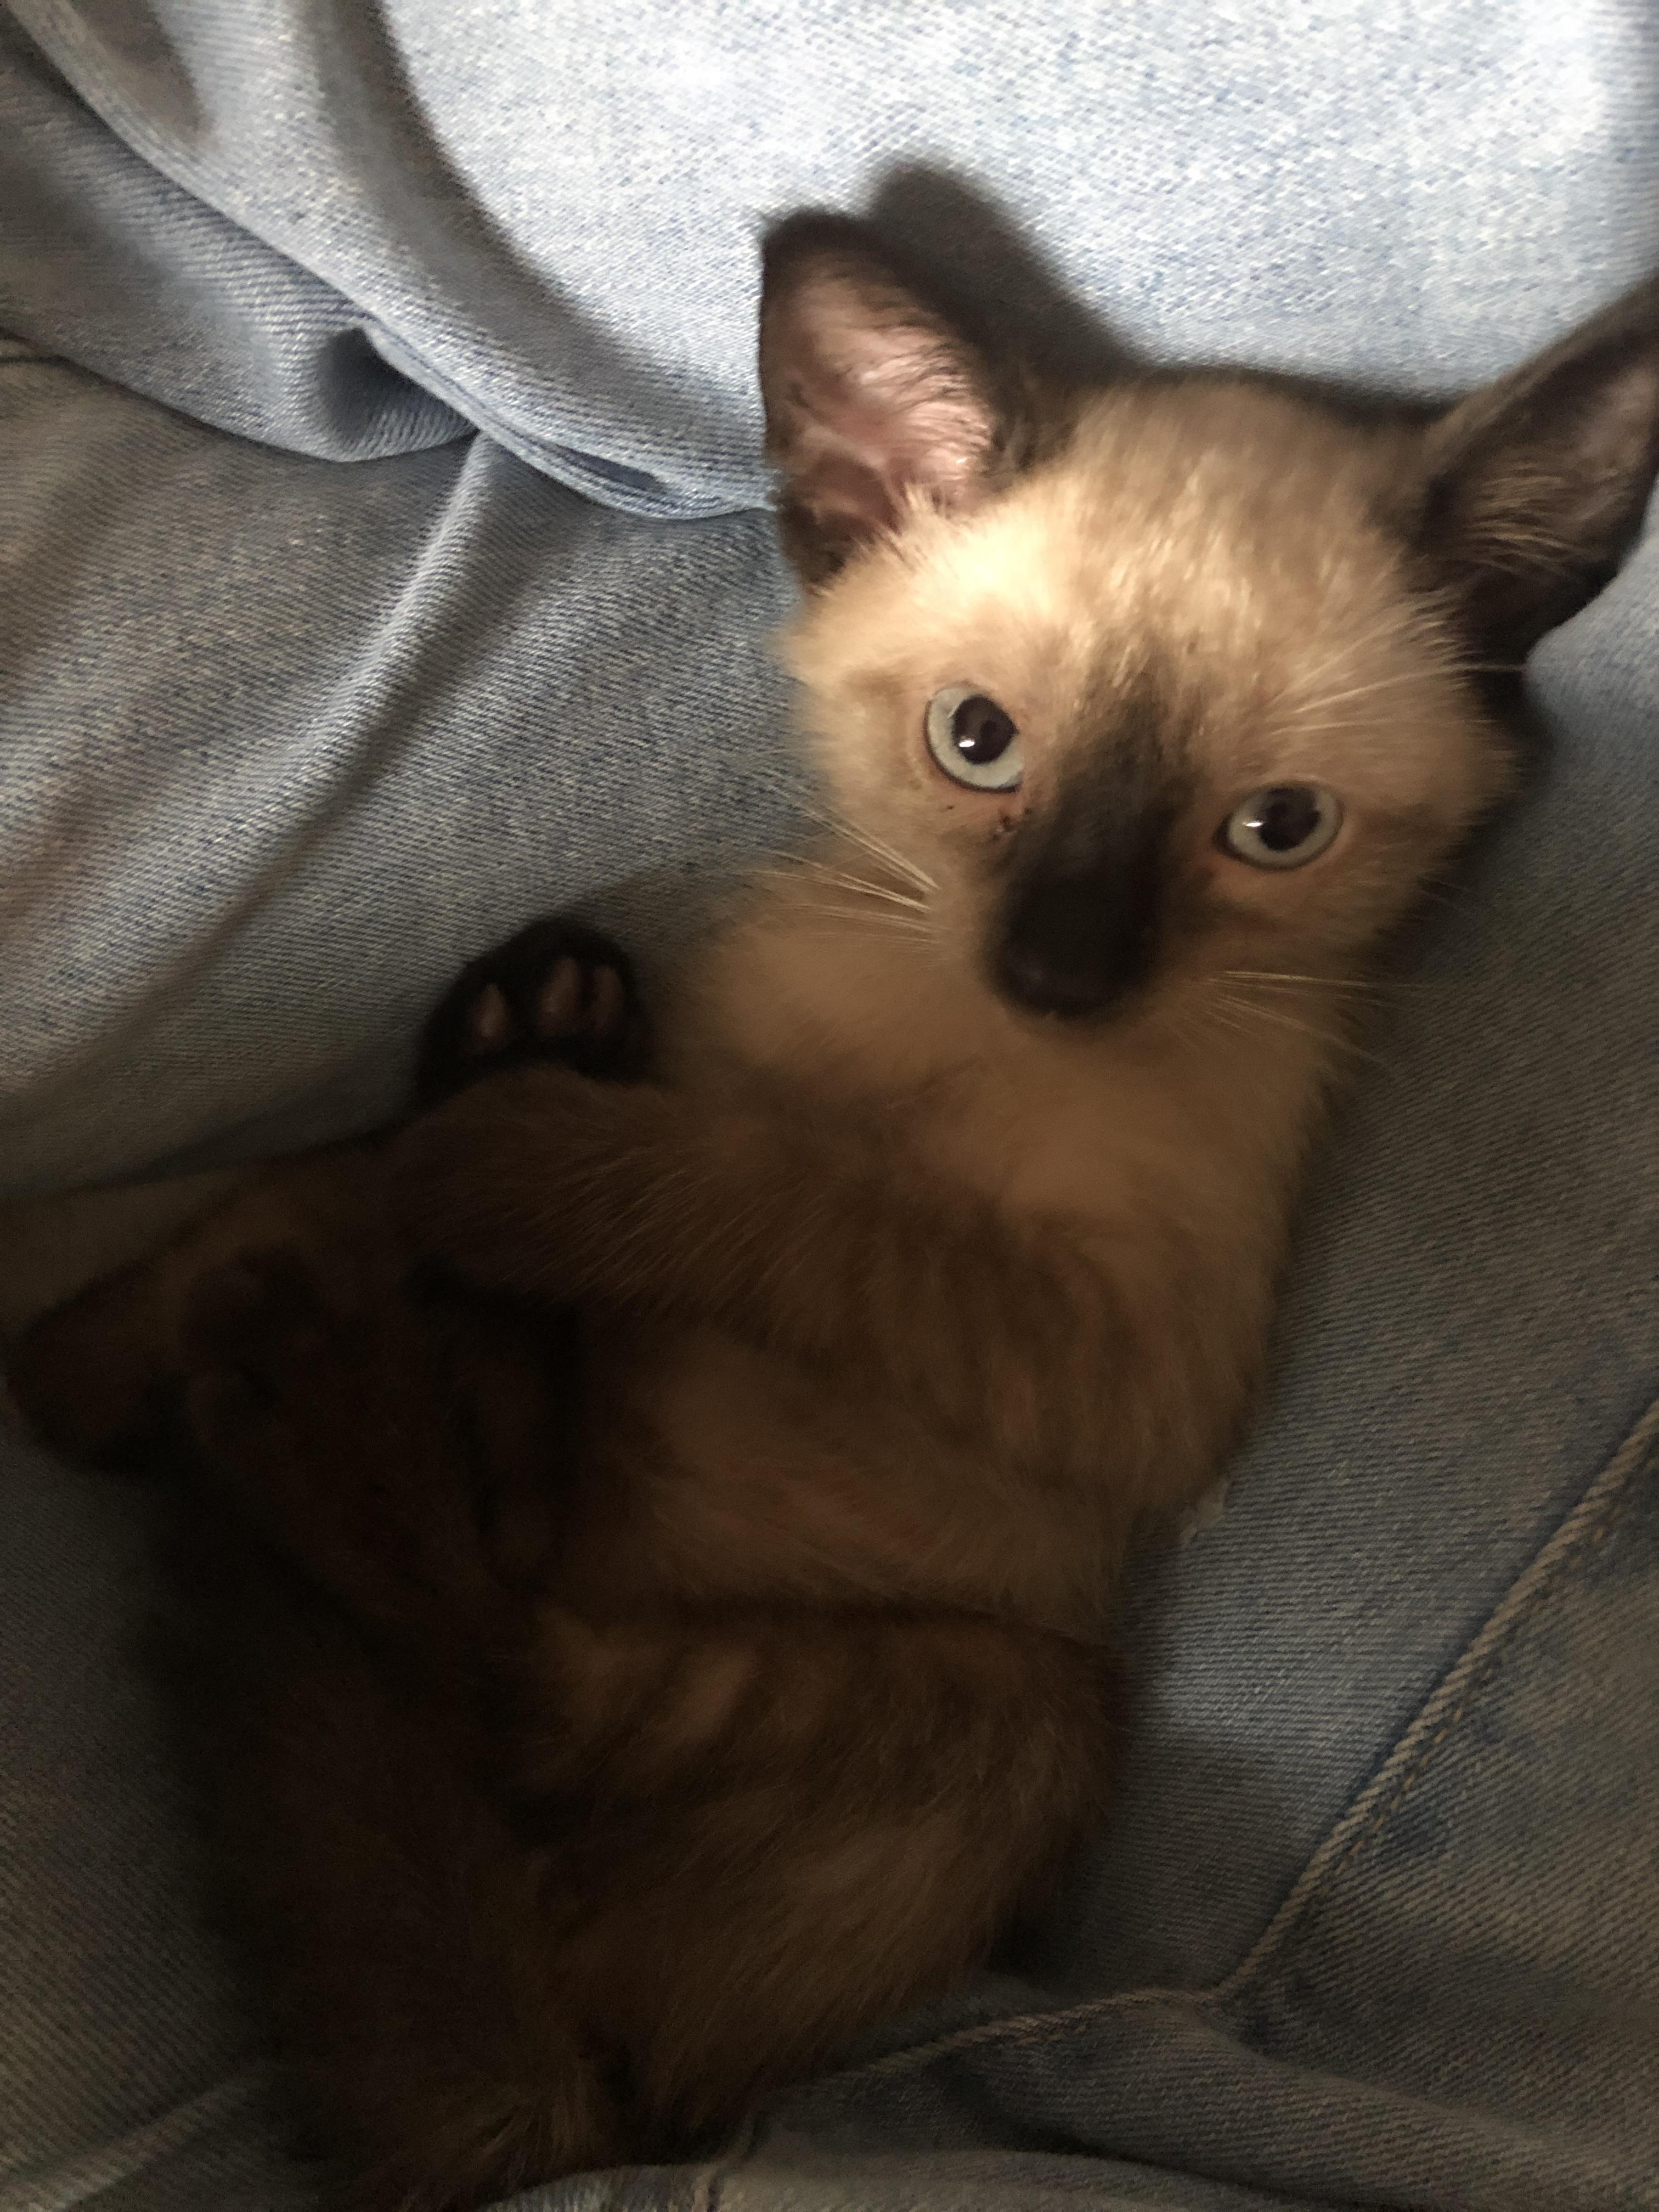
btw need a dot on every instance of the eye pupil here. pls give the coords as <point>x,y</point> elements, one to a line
<point>979,731</point>
<point>1284,826</point>
<point>1285,817</point>
<point>973,740</point>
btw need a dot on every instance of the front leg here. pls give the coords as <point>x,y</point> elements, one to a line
<point>325,1432</point>
<point>1006,1336</point>
<point>406,1457</point>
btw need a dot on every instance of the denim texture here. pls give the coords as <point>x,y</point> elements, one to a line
<point>548,218</point>
<point>378,469</point>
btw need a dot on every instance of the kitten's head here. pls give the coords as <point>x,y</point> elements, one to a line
<point>1183,676</point>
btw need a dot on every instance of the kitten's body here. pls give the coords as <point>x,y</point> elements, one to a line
<point>628,1736</point>
<point>1158,1154</point>
<point>1132,1150</point>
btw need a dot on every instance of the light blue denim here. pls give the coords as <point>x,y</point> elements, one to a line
<point>379,470</point>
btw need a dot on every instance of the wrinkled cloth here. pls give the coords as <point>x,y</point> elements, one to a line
<point>380,502</point>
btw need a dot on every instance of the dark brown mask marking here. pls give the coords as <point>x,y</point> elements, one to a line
<point>1078,930</point>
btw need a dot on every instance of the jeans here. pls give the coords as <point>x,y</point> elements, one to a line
<point>380,480</point>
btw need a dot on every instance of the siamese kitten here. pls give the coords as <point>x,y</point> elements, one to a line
<point>660,1510</point>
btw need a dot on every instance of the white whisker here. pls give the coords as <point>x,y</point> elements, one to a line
<point>878,917</point>
<point>878,847</point>
<point>861,887</point>
<point>1270,978</point>
<point>1275,1017</point>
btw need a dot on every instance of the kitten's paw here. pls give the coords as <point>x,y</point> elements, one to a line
<point>259,1347</point>
<point>558,992</point>
<point>90,1379</point>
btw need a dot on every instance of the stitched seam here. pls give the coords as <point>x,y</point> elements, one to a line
<point>1589,1524</point>
<point>78,2180</point>
<point>1596,1530</point>
<point>708,2190</point>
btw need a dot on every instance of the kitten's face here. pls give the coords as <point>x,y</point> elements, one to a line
<point>1174,692</point>
<point>1168,706</point>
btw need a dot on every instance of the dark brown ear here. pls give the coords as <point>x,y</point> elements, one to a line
<point>1534,487</point>
<point>874,396</point>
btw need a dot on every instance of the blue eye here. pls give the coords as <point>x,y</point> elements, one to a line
<point>974,740</point>
<point>1284,826</point>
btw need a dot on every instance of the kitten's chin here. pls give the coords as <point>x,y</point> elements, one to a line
<point>1082,1021</point>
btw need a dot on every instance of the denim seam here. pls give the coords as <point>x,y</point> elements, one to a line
<point>80,2179</point>
<point>1589,1523</point>
<point>704,2191</point>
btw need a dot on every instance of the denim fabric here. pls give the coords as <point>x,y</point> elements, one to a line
<point>546,215</point>
<point>282,740</point>
<point>349,726</point>
<point>107,264</point>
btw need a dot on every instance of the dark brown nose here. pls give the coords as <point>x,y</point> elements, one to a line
<point>1073,947</point>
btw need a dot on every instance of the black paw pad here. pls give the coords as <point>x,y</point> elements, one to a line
<point>558,992</point>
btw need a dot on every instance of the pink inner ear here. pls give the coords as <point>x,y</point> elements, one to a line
<point>878,402</point>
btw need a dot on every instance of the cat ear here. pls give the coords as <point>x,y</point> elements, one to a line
<point>1533,488</point>
<point>874,398</point>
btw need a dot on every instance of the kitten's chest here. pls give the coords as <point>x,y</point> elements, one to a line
<point>970,1098</point>
<point>728,1473</point>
